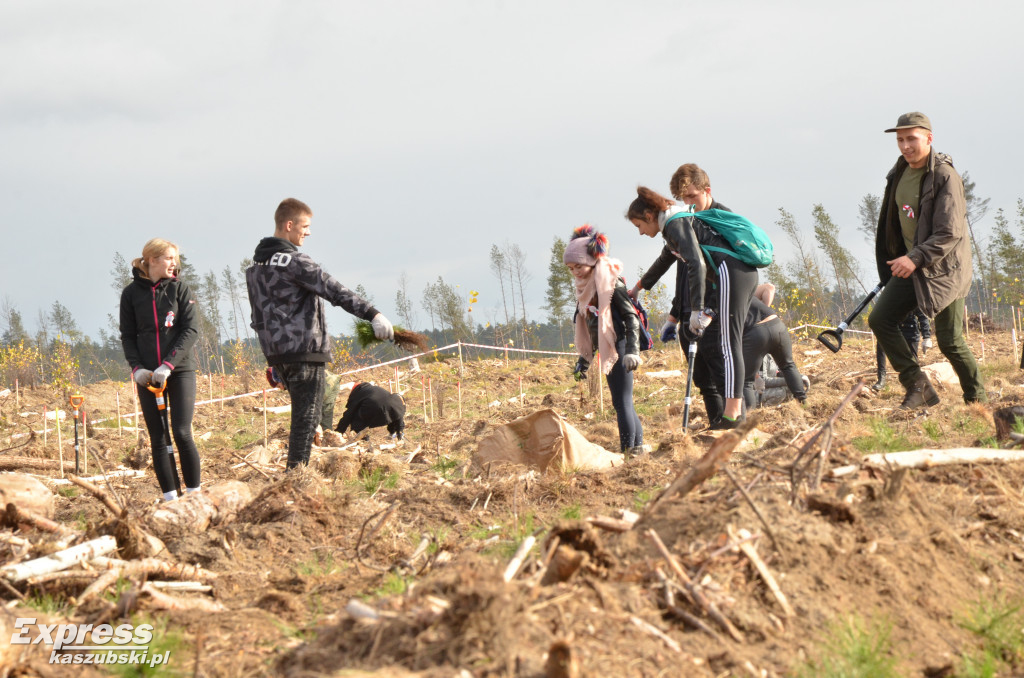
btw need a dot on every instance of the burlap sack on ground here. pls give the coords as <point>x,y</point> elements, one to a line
<point>540,440</point>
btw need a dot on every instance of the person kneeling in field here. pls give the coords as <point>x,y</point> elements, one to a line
<point>370,406</point>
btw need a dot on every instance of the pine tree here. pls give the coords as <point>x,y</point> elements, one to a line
<point>560,295</point>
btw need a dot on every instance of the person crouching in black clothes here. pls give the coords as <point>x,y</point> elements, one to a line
<point>370,406</point>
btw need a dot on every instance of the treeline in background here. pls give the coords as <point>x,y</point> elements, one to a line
<point>818,279</point>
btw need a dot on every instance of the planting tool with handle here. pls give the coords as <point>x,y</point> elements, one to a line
<point>161,404</point>
<point>827,336</point>
<point>76,402</point>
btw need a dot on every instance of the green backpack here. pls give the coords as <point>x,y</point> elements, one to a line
<point>748,242</point>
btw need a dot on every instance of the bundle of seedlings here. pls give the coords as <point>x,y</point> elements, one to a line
<point>414,342</point>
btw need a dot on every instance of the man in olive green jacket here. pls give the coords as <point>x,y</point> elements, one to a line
<point>924,259</point>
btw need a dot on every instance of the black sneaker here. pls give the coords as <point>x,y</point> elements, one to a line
<point>920,394</point>
<point>723,423</point>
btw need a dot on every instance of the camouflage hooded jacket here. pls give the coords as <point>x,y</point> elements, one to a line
<point>286,293</point>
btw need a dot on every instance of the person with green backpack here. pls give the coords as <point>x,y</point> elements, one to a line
<point>716,258</point>
<point>690,185</point>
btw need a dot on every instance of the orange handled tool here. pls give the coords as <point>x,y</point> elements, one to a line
<point>161,404</point>
<point>77,400</point>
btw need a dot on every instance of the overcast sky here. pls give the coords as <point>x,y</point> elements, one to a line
<point>421,133</point>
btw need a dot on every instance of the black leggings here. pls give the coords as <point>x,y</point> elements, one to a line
<point>769,337</point>
<point>181,397</point>
<point>620,383</point>
<point>736,284</point>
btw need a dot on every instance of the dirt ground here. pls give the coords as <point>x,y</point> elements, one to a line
<point>320,573</point>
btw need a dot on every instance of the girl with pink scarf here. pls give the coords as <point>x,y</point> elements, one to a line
<point>606,321</point>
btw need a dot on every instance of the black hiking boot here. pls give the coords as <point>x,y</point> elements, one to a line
<point>880,384</point>
<point>920,394</point>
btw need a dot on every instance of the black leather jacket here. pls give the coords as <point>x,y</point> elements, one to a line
<point>624,320</point>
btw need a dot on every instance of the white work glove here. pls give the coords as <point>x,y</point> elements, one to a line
<point>926,344</point>
<point>631,361</point>
<point>382,328</point>
<point>160,375</point>
<point>699,322</point>
<point>634,291</point>
<point>142,376</point>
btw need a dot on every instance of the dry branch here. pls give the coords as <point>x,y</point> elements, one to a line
<point>696,595</point>
<point>517,560</point>
<point>98,493</point>
<point>705,467</point>
<point>750,552</point>
<point>61,560</point>
<point>11,463</point>
<point>754,507</point>
<point>16,516</point>
<point>163,601</point>
<point>153,567</point>
<point>928,458</point>
<point>798,472</point>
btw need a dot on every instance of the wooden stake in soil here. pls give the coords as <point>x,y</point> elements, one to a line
<point>458,385</point>
<point>45,427</point>
<point>521,400</point>
<point>430,392</point>
<point>117,400</point>
<point>17,393</point>
<point>981,324</point>
<point>265,441</point>
<point>85,440</point>
<point>460,358</point>
<point>423,397</point>
<point>209,379</point>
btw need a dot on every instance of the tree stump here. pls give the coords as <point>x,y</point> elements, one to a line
<point>26,493</point>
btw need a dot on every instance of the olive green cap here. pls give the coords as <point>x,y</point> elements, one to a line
<point>913,119</point>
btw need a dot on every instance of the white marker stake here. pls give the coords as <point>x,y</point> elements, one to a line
<point>60,442</point>
<point>265,440</point>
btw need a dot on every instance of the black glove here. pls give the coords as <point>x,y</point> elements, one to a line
<point>580,371</point>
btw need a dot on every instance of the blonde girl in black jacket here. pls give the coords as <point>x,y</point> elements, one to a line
<point>158,333</point>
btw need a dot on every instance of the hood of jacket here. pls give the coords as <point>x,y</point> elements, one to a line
<point>270,246</point>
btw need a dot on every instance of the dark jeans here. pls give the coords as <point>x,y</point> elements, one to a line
<point>180,395</point>
<point>620,383</point>
<point>769,338</point>
<point>894,303</point>
<point>305,383</point>
<point>914,328</point>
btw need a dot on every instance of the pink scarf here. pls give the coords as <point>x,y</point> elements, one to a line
<point>600,283</point>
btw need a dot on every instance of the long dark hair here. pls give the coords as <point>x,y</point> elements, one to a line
<point>647,202</point>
